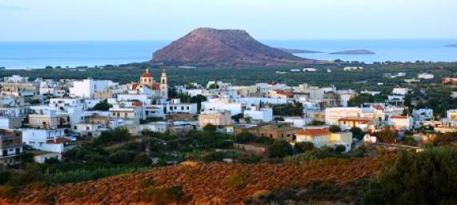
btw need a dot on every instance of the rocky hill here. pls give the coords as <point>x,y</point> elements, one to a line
<point>207,46</point>
<point>216,183</point>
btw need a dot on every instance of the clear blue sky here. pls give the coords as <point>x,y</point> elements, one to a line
<point>60,20</point>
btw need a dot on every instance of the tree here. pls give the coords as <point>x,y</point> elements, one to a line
<point>302,147</point>
<point>198,99</point>
<point>357,133</point>
<point>334,128</point>
<point>102,106</point>
<point>280,149</point>
<point>340,149</point>
<point>387,135</point>
<point>245,137</point>
<point>290,109</point>
<point>209,128</point>
<point>429,177</point>
<point>408,140</point>
<point>316,123</point>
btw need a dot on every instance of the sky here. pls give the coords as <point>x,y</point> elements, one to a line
<point>110,20</point>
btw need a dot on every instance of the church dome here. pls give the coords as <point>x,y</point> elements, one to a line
<point>146,74</point>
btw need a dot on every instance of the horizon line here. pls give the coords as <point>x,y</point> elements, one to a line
<point>169,40</point>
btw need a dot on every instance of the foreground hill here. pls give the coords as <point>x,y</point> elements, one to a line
<point>207,46</point>
<point>217,183</point>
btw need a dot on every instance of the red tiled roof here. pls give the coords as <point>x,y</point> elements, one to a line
<point>146,74</point>
<point>135,86</point>
<point>314,132</point>
<point>286,93</point>
<point>399,117</point>
<point>156,86</point>
<point>355,119</point>
<point>59,140</point>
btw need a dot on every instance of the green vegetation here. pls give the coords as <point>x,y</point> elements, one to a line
<point>163,196</point>
<point>291,109</point>
<point>280,149</point>
<point>102,106</point>
<point>429,177</point>
<point>366,79</point>
<point>236,180</point>
<point>334,128</point>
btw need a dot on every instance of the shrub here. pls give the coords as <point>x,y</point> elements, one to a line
<point>302,147</point>
<point>357,133</point>
<point>245,137</point>
<point>236,180</point>
<point>429,177</point>
<point>147,183</point>
<point>279,149</point>
<point>119,134</point>
<point>340,149</point>
<point>8,192</point>
<point>334,128</point>
<point>4,177</point>
<point>209,128</point>
<point>163,196</point>
<point>122,157</point>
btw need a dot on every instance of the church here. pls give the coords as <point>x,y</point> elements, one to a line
<point>148,86</point>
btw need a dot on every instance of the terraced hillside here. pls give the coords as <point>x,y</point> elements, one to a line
<point>219,183</point>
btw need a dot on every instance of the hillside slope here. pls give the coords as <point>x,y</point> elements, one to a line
<point>208,46</point>
<point>202,183</point>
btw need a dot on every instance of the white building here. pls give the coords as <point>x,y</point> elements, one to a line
<point>87,87</point>
<point>45,139</point>
<point>143,98</point>
<point>262,114</point>
<point>425,76</point>
<point>297,121</point>
<point>175,106</point>
<point>400,91</point>
<point>218,104</point>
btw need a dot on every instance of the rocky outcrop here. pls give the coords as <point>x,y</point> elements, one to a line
<point>207,46</point>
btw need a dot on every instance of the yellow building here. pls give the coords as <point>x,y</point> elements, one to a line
<point>323,137</point>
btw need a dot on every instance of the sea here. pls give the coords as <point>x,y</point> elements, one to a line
<point>30,55</point>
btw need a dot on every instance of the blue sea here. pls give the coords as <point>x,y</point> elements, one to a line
<point>27,55</point>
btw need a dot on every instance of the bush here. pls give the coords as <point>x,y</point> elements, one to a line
<point>340,149</point>
<point>429,177</point>
<point>334,128</point>
<point>119,134</point>
<point>142,160</point>
<point>122,157</point>
<point>302,147</point>
<point>408,140</point>
<point>4,177</point>
<point>209,128</point>
<point>245,137</point>
<point>280,149</point>
<point>357,133</point>
<point>237,180</point>
<point>8,192</point>
<point>163,196</point>
<point>102,106</point>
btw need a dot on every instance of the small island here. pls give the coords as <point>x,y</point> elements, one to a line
<point>354,52</point>
<point>452,45</point>
<point>292,50</point>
